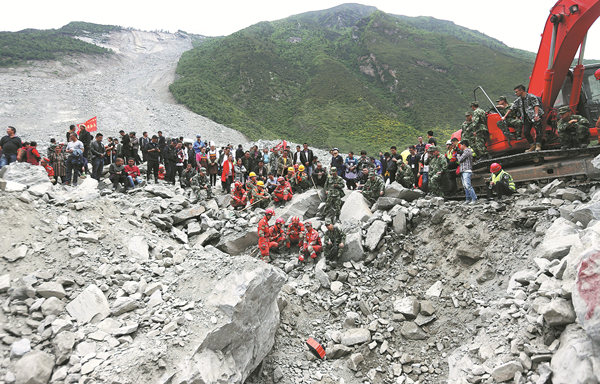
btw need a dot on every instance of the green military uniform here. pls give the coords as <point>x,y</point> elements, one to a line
<point>302,184</point>
<point>334,188</point>
<point>200,183</point>
<point>373,188</point>
<point>331,243</point>
<point>573,131</point>
<point>405,175</point>
<point>511,120</point>
<point>480,132</point>
<point>186,178</point>
<point>436,181</point>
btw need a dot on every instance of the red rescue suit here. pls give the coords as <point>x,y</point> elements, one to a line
<point>277,235</point>
<point>283,192</point>
<point>294,234</point>
<point>238,198</point>
<point>312,244</point>
<point>264,237</point>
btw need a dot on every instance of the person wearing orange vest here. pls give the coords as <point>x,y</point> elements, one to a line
<point>239,198</point>
<point>264,234</point>
<point>278,234</point>
<point>312,243</point>
<point>283,191</point>
<point>295,233</point>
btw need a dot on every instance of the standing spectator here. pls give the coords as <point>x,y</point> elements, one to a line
<point>377,164</point>
<point>10,145</point>
<point>133,173</point>
<point>170,157</point>
<point>297,159</point>
<point>110,149</point>
<point>364,161</point>
<point>22,152</point>
<point>191,155</point>
<point>181,155</point>
<point>307,158</point>
<point>135,148</point>
<point>74,162</point>
<point>240,171</point>
<point>420,147</point>
<point>70,132</point>
<point>51,147</point>
<point>201,158</point>
<point>337,162</point>
<point>162,146</point>
<point>351,168</point>
<point>153,155</point>
<point>239,152</point>
<point>227,173</point>
<point>283,163</point>
<point>97,151</point>
<point>125,145</point>
<point>117,174</point>
<point>266,158</point>
<point>413,162</point>
<point>32,156</point>
<point>430,139</point>
<point>58,163</point>
<point>86,138</point>
<point>531,112</point>
<point>213,167</point>
<point>198,144</point>
<point>144,141</point>
<point>424,168</point>
<point>465,159</point>
<point>392,165</point>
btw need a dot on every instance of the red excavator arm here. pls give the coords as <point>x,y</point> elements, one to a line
<point>564,33</point>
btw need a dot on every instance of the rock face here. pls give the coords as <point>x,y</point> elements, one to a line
<point>304,206</point>
<point>575,361</point>
<point>355,209</point>
<point>249,317</point>
<point>354,250</point>
<point>24,174</point>
<point>586,295</point>
<point>558,240</point>
<point>238,243</point>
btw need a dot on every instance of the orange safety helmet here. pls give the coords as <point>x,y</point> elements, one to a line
<point>597,74</point>
<point>495,167</point>
<point>295,220</point>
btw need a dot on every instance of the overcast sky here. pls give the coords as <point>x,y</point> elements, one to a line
<point>516,23</point>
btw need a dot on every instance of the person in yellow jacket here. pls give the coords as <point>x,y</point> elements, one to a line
<point>501,183</point>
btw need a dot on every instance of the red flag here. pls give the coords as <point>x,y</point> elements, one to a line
<point>91,125</point>
<point>280,146</point>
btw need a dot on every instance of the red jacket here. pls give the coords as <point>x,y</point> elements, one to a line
<point>32,156</point>
<point>132,171</point>
<point>312,237</point>
<point>263,228</point>
<point>227,171</point>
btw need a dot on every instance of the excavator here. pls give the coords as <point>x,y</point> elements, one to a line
<point>557,84</point>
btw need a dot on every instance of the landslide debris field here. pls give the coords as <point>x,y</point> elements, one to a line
<point>127,90</point>
<point>156,286</point>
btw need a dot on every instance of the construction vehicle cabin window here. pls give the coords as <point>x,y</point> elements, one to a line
<point>592,87</point>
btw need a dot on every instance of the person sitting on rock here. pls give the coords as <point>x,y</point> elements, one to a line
<point>301,182</point>
<point>49,170</point>
<point>289,176</point>
<point>374,188</point>
<point>362,179</point>
<point>251,182</point>
<point>295,233</point>
<point>117,174</point>
<point>264,235</point>
<point>311,245</point>
<point>283,191</point>
<point>259,197</point>
<point>271,183</point>
<point>239,198</point>
<point>133,173</point>
<point>334,240</point>
<point>319,175</point>
<point>186,177</point>
<point>278,234</point>
<point>200,184</point>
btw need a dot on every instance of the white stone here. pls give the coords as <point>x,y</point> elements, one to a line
<point>20,347</point>
<point>138,248</point>
<point>89,305</point>
<point>435,290</point>
<point>4,283</point>
<point>374,234</point>
<point>34,368</point>
<point>355,209</point>
<point>408,306</point>
<point>506,371</point>
<point>51,289</point>
<point>356,336</point>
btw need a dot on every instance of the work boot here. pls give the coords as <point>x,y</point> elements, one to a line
<point>538,147</point>
<point>531,148</point>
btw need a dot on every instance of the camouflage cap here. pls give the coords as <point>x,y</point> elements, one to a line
<point>434,148</point>
<point>564,109</point>
<point>475,104</point>
<point>328,221</point>
<point>202,169</point>
<point>469,113</point>
<point>333,169</point>
<point>501,98</point>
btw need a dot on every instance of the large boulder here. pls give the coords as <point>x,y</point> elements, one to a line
<point>89,305</point>
<point>586,294</point>
<point>303,205</point>
<point>34,368</point>
<point>187,214</point>
<point>353,250</point>
<point>355,209</point>
<point>237,243</point>
<point>395,190</point>
<point>575,361</point>
<point>385,203</point>
<point>399,223</point>
<point>558,240</point>
<point>374,234</point>
<point>25,174</point>
<point>587,212</point>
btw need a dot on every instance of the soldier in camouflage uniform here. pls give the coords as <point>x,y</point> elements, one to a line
<point>334,190</point>
<point>201,183</point>
<point>405,175</point>
<point>573,130</point>
<point>480,130</point>
<point>259,197</point>
<point>333,242</point>
<point>512,120</point>
<point>374,188</point>
<point>437,171</point>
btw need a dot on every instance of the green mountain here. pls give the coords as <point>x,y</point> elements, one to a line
<point>350,76</point>
<point>50,44</point>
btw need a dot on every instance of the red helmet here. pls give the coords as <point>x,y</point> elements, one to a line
<point>495,167</point>
<point>237,185</point>
<point>597,74</point>
<point>295,220</point>
<point>269,211</point>
<point>280,179</point>
<point>279,221</point>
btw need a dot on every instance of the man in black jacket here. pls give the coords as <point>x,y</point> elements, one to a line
<point>126,145</point>
<point>170,156</point>
<point>10,145</point>
<point>306,158</point>
<point>162,144</point>
<point>152,157</point>
<point>97,152</point>
<point>117,173</point>
<point>144,141</point>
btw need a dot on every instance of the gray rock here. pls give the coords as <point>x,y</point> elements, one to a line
<point>20,347</point>
<point>179,235</point>
<point>338,351</point>
<point>124,304</point>
<point>187,214</point>
<point>206,237</point>
<point>304,205</point>
<point>439,215</point>
<point>576,360</point>
<point>355,360</point>
<point>223,200</point>
<point>237,243</point>
<point>469,254</point>
<point>506,371</point>
<point>35,367</point>
<point>374,234</point>
<point>408,306</point>
<point>355,336</point>
<point>51,289</point>
<point>355,209</point>
<point>25,174</point>
<point>52,306</point>
<point>89,305</point>
<point>399,223</point>
<point>396,190</point>
<point>322,277</point>
<point>353,251</point>
<point>558,312</point>
<point>193,229</point>
<point>435,290</point>
<point>551,187</point>
<point>63,346</point>
<point>4,283</point>
<point>385,203</point>
<point>160,191</point>
<point>585,294</point>
<point>412,331</point>
<point>427,308</point>
<point>571,194</point>
<point>138,248</point>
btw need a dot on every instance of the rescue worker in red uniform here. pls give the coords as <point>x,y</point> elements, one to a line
<point>312,243</point>
<point>239,198</point>
<point>283,191</point>
<point>278,234</point>
<point>264,235</point>
<point>295,233</point>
